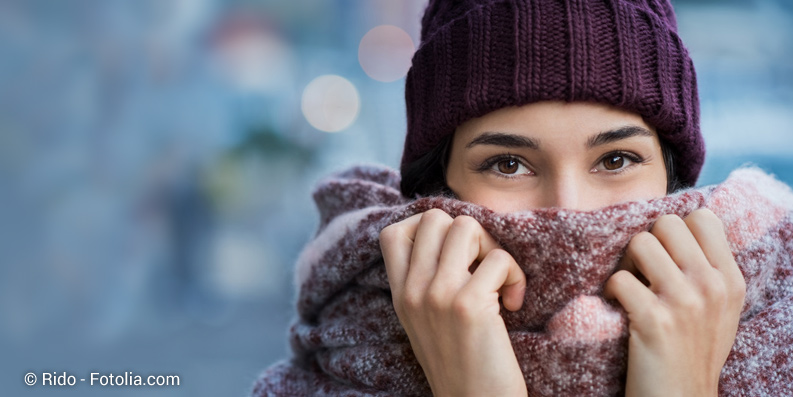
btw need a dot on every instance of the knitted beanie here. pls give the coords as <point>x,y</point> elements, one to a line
<point>477,56</point>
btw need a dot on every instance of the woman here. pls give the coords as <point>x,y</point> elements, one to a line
<point>515,106</point>
<point>598,148</point>
<point>578,156</point>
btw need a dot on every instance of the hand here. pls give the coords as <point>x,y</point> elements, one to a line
<point>683,324</point>
<point>451,315</point>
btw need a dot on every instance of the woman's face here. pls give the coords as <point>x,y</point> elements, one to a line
<point>578,155</point>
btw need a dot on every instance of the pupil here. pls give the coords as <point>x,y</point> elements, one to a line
<point>614,163</point>
<point>508,166</point>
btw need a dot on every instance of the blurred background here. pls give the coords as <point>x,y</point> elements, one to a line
<point>157,159</point>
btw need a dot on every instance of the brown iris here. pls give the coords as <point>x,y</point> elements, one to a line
<point>614,162</point>
<point>508,166</point>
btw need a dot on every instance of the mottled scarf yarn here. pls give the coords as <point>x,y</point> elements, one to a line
<point>347,340</point>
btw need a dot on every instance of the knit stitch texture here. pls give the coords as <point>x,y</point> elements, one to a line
<point>569,341</point>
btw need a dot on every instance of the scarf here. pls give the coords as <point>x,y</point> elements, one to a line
<point>347,339</point>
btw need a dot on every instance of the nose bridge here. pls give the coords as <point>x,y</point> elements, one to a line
<point>565,191</point>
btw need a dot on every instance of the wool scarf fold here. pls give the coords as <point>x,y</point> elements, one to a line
<point>347,340</point>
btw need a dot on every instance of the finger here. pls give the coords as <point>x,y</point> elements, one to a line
<point>652,260</point>
<point>709,232</point>
<point>427,246</point>
<point>498,273</point>
<point>466,242</point>
<point>626,263</point>
<point>629,292</point>
<point>674,235</point>
<point>396,244</point>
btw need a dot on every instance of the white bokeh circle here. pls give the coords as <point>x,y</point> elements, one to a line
<point>330,103</point>
<point>385,53</point>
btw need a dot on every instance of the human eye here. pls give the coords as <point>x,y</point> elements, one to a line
<point>505,166</point>
<point>617,162</point>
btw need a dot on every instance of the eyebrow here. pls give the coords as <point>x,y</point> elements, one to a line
<point>519,141</point>
<point>616,135</point>
<point>505,140</point>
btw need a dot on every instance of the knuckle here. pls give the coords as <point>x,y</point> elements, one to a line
<point>716,292</point>
<point>619,279</point>
<point>465,222</point>
<point>411,300</point>
<point>658,321</point>
<point>499,257</point>
<point>462,308</point>
<point>387,234</point>
<point>640,240</point>
<point>436,299</point>
<point>664,322</point>
<point>668,221</point>
<point>692,304</point>
<point>705,216</point>
<point>706,213</point>
<point>468,227</point>
<point>435,215</point>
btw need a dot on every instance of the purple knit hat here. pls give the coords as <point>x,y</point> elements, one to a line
<point>477,56</point>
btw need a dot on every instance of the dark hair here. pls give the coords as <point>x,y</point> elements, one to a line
<point>426,176</point>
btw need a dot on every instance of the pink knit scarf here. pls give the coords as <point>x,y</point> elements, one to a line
<point>348,341</point>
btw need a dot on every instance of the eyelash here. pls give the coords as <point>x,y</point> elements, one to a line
<point>634,158</point>
<point>487,165</point>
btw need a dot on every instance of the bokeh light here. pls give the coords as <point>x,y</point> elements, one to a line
<point>251,54</point>
<point>330,103</point>
<point>385,53</point>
